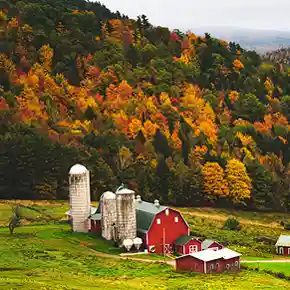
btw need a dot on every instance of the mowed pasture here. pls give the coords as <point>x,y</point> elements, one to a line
<point>49,256</point>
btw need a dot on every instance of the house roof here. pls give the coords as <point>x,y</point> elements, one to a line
<point>183,240</point>
<point>283,241</point>
<point>206,243</point>
<point>145,213</point>
<point>211,255</point>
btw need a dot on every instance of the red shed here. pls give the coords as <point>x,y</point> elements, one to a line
<point>209,261</point>
<point>159,226</point>
<point>96,223</point>
<point>210,244</point>
<point>283,245</point>
<point>187,244</point>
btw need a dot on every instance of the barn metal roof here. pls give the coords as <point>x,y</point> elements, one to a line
<point>145,213</point>
<point>183,240</point>
<point>211,255</point>
<point>283,241</point>
<point>206,243</point>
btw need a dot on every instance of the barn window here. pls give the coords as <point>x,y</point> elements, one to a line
<point>228,266</point>
<point>176,219</point>
<point>167,211</point>
<point>281,250</point>
<point>237,263</point>
<point>215,248</point>
<point>193,249</point>
<point>217,265</point>
<point>212,266</point>
<point>158,221</point>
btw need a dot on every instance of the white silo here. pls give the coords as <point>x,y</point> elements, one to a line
<point>108,214</point>
<point>126,215</point>
<point>80,198</point>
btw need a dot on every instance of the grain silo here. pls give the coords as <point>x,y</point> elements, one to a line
<point>108,215</point>
<point>80,198</point>
<point>126,214</point>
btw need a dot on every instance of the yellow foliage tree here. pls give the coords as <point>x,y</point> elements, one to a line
<point>125,157</point>
<point>214,182</point>
<point>240,184</point>
<point>46,56</point>
<point>238,65</point>
<point>234,96</point>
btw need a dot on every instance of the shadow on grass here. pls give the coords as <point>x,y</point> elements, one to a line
<point>10,269</point>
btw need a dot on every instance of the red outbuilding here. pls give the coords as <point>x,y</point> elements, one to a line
<point>209,261</point>
<point>96,226</point>
<point>159,226</point>
<point>210,244</point>
<point>283,245</point>
<point>186,245</point>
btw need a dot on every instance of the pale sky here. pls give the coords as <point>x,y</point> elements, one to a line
<point>190,14</point>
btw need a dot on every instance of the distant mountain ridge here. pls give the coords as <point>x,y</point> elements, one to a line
<point>260,40</point>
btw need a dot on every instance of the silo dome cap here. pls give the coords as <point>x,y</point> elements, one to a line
<point>78,169</point>
<point>109,195</point>
<point>125,191</point>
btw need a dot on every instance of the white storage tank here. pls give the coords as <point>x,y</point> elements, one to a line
<point>126,214</point>
<point>108,214</point>
<point>80,198</point>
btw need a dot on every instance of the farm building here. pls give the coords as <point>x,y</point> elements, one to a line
<point>123,218</point>
<point>209,261</point>
<point>283,245</point>
<point>187,244</point>
<point>159,226</point>
<point>210,244</point>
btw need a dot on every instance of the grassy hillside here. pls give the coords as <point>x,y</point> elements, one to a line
<point>49,256</point>
<point>208,222</point>
<point>204,222</point>
<point>46,257</point>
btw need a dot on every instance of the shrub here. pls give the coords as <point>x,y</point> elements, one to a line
<point>232,224</point>
<point>267,240</point>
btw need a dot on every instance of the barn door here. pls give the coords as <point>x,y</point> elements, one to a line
<point>167,249</point>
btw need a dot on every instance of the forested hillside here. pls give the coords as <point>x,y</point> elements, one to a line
<point>189,120</point>
<point>279,56</point>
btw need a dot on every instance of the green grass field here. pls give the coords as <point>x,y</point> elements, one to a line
<point>51,257</point>
<point>275,267</point>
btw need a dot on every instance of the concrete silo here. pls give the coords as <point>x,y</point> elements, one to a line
<point>126,214</point>
<point>108,215</point>
<point>80,198</point>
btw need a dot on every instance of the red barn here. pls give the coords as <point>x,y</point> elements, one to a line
<point>209,261</point>
<point>210,244</point>
<point>186,245</point>
<point>159,226</point>
<point>283,245</point>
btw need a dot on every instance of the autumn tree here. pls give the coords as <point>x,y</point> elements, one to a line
<point>215,185</point>
<point>239,182</point>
